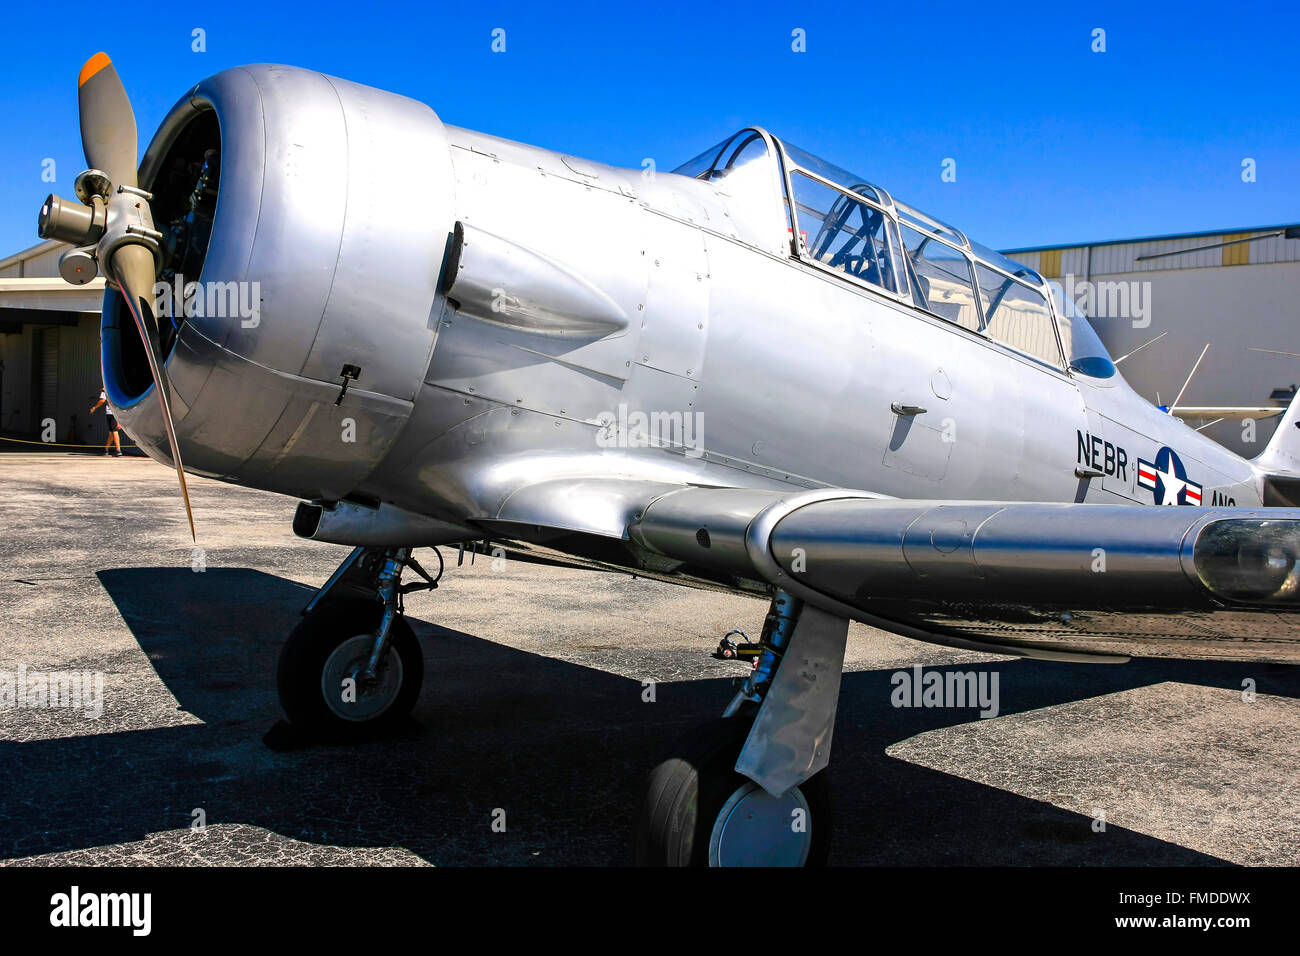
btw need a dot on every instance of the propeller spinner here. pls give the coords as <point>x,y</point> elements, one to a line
<point>112,229</point>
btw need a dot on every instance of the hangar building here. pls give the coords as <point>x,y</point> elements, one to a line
<point>49,349</point>
<point>1237,290</point>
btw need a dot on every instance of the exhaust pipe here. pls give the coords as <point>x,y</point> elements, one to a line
<point>379,525</point>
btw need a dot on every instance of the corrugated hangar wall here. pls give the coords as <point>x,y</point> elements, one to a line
<point>29,393</point>
<point>79,382</point>
<point>16,352</point>
<point>1111,258</point>
<point>43,262</point>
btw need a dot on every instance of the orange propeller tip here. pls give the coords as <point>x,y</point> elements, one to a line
<point>93,66</point>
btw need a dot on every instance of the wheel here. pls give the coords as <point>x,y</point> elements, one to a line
<point>697,811</point>
<point>333,644</point>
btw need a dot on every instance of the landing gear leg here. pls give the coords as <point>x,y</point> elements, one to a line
<point>751,789</point>
<point>352,667</point>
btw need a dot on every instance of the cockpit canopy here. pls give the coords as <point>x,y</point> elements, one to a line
<point>841,223</point>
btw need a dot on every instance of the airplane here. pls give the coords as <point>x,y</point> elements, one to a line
<point>758,373</point>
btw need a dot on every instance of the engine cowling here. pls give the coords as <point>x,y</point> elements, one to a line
<point>314,215</point>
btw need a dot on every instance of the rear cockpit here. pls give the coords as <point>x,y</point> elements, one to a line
<point>840,223</point>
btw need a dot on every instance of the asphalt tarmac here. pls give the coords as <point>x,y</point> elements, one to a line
<point>534,713</point>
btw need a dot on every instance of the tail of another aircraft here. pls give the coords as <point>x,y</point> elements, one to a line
<point>1282,453</point>
<point>1280,460</point>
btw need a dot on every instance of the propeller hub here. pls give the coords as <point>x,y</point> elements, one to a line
<point>129,221</point>
<point>109,227</point>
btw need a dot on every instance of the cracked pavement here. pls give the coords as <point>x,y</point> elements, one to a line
<point>533,705</point>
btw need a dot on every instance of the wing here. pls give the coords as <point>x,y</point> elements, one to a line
<point>1045,580</point>
<point>1058,581</point>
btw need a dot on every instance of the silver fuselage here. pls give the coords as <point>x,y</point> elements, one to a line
<point>657,294</point>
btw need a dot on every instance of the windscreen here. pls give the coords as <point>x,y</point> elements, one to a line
<point>1082,346</point>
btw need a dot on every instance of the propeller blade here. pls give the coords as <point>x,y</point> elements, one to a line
<point>107,122</point>
<point>133,270</point>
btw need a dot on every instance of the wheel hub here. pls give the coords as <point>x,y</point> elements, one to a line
<point>374,694</point>
<point>756,829</point>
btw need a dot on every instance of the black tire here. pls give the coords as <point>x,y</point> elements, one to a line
<point>685,794</point>
<point>308,648</point>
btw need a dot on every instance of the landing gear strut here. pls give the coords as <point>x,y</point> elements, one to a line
<point>352,667</point>
<point>751,789</point>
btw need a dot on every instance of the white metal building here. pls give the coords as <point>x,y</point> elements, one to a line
<point>1236,289</point>
<point>49,349</point>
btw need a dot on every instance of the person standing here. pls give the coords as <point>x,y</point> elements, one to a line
<point>112,444</point>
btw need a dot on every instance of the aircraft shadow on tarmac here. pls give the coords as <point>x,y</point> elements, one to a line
<point>562,748</point>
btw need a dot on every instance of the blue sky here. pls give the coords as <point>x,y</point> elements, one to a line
<point>1053,143</point>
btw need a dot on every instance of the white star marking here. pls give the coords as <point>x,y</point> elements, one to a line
<point>1173,485</point>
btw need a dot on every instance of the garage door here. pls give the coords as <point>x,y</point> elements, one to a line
<point>49,374</point>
